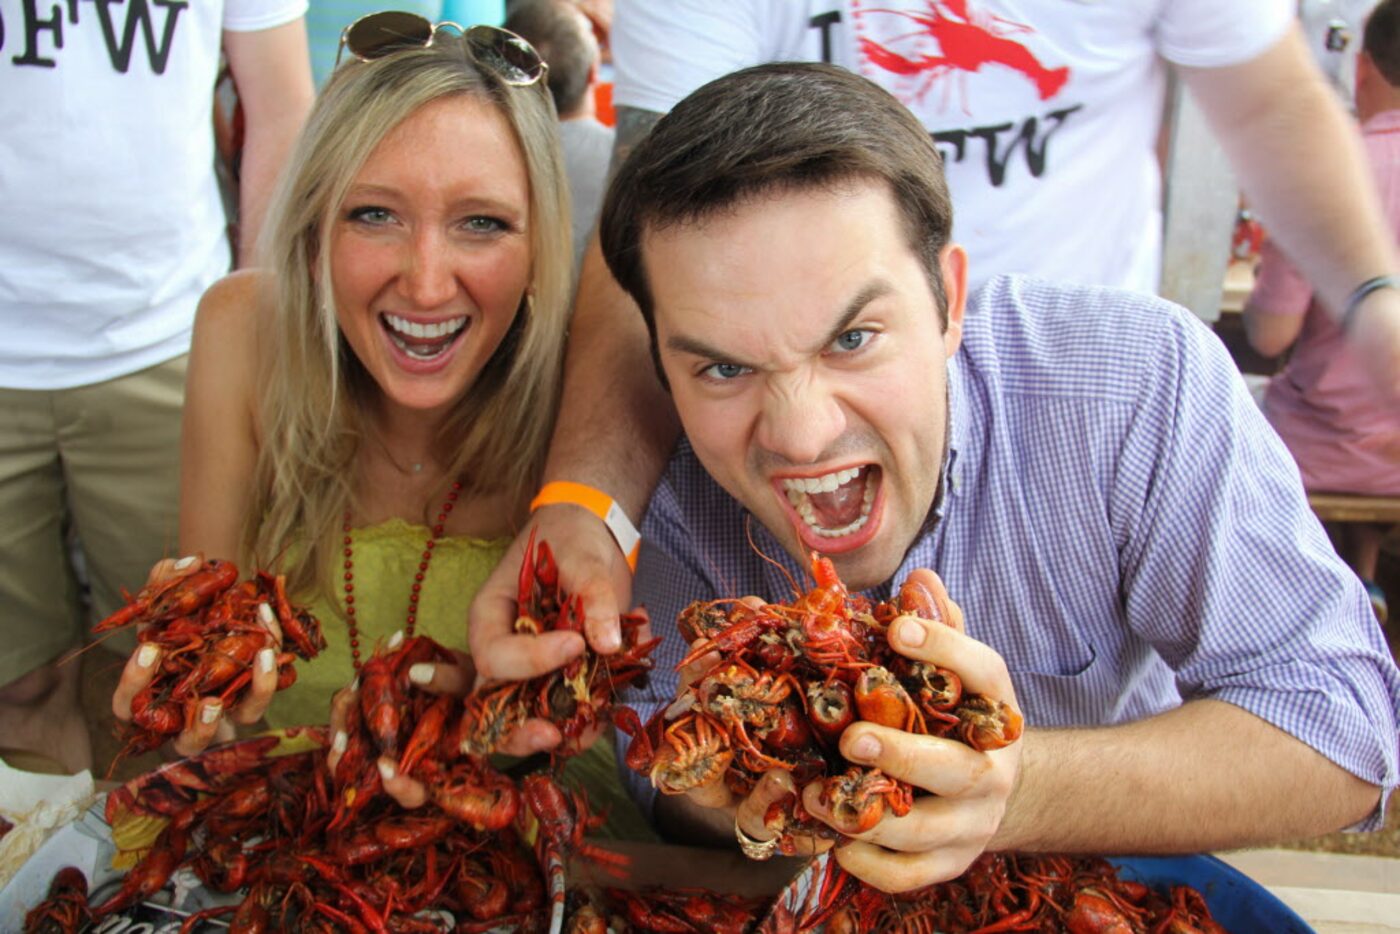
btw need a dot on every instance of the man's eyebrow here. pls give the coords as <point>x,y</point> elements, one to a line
<point>854,307</point>
<point>694,346</point>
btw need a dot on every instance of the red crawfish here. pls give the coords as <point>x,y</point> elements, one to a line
<point>578,697</point>
<point>65,911</point>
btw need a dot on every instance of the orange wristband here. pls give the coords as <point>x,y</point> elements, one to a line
<point>602,506</point>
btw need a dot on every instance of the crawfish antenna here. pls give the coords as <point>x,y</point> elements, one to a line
<point>748,533</point>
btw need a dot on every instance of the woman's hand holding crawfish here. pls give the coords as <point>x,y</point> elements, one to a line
<point>437,678</point>
<point>944,831</point>
<point>590,564</point>
<point>211,722</point>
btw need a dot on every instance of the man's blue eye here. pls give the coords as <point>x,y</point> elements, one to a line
<point>725,371</point>
<point>851,340</point>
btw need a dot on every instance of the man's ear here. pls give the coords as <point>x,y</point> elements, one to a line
<point>952,263</point>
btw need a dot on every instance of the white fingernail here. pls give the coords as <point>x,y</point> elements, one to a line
<point>338,742</point>
<point>267,660</point>
<point>211,713</point>
<point>422,672</point>
<point>265,614</point>
<point>185,562</point>
<point>355,685</point>
<point>396,639</point>
<point>148,654</point>
<point>386,770</point>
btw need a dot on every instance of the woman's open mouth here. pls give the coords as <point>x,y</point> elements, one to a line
<point>423,342</point>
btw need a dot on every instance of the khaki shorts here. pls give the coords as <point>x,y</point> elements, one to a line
<point>101,461</point>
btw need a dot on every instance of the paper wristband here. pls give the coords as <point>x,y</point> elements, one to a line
<point>602,506</point>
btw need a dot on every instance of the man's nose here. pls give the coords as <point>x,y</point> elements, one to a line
<point>801,421</point>
<point>427,278</point>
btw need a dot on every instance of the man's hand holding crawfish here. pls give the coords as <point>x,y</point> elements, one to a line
<point>962,782</point>
<point>712,810</point>
<point>968,790</point>
<point>591,565</point>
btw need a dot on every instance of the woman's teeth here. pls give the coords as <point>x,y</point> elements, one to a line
<point>800,490</point>
<point>423,341</point>
<point>429,331</point>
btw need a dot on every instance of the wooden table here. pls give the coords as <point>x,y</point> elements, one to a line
<point>1334,892</point>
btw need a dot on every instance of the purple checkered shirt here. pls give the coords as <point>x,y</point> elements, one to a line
<point>1118,521</point>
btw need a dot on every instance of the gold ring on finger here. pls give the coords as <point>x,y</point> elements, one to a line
<point>754,849</point>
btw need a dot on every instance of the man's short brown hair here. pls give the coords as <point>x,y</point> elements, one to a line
<point>766,130</point>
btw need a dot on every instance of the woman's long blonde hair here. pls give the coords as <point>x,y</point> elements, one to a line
<point>314,390</point>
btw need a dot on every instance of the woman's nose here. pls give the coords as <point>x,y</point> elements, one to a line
<point>427,278</point>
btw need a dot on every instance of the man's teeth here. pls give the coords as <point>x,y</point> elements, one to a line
<point>824,484</point>
<point>425,331</point>
<point>798,488</point>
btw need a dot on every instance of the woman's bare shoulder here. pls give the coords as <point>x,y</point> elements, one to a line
<point>230,326</point>
<point>234,302</point>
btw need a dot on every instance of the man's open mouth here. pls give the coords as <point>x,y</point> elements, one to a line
<point>422,341</point>
<point>834,504</point>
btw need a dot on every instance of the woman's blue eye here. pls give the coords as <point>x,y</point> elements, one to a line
<point>724,371</point>
<point>851,340</point>
<point>485,224</point>
<point>370,215</point>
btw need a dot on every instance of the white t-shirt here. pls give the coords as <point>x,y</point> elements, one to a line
<point>1046,111</point>
<point>111,225</point>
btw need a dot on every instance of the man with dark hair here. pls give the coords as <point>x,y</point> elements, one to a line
<point>1138,567</point>
<point>564,38</point>
<point>1344,435</point>
<point>1057,175</point>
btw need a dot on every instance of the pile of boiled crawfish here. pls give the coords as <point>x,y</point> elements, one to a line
<point>321,849</point>
<point>791,678</point>
<point>1000,892</point>
<point>209,629</point>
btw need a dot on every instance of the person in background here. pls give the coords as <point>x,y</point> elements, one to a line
<point>113,228</point>
<point>1136,563</point>
<point>1046,116</point>
<point>1343,434</point>
<point>564,37</point>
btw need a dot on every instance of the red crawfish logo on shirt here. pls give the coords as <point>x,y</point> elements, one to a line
<point>945,42</point>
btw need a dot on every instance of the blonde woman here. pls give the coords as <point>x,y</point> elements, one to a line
<point>367,413</point>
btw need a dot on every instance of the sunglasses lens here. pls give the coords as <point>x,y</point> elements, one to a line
<point>378,34</point>
<point>510,56</point>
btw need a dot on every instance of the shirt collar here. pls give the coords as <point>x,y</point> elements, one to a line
<point>957,428</point>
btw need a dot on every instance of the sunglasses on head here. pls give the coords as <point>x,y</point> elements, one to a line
<point>508,56</point>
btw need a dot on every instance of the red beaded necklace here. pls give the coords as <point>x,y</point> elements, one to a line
<point>412,621</point>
